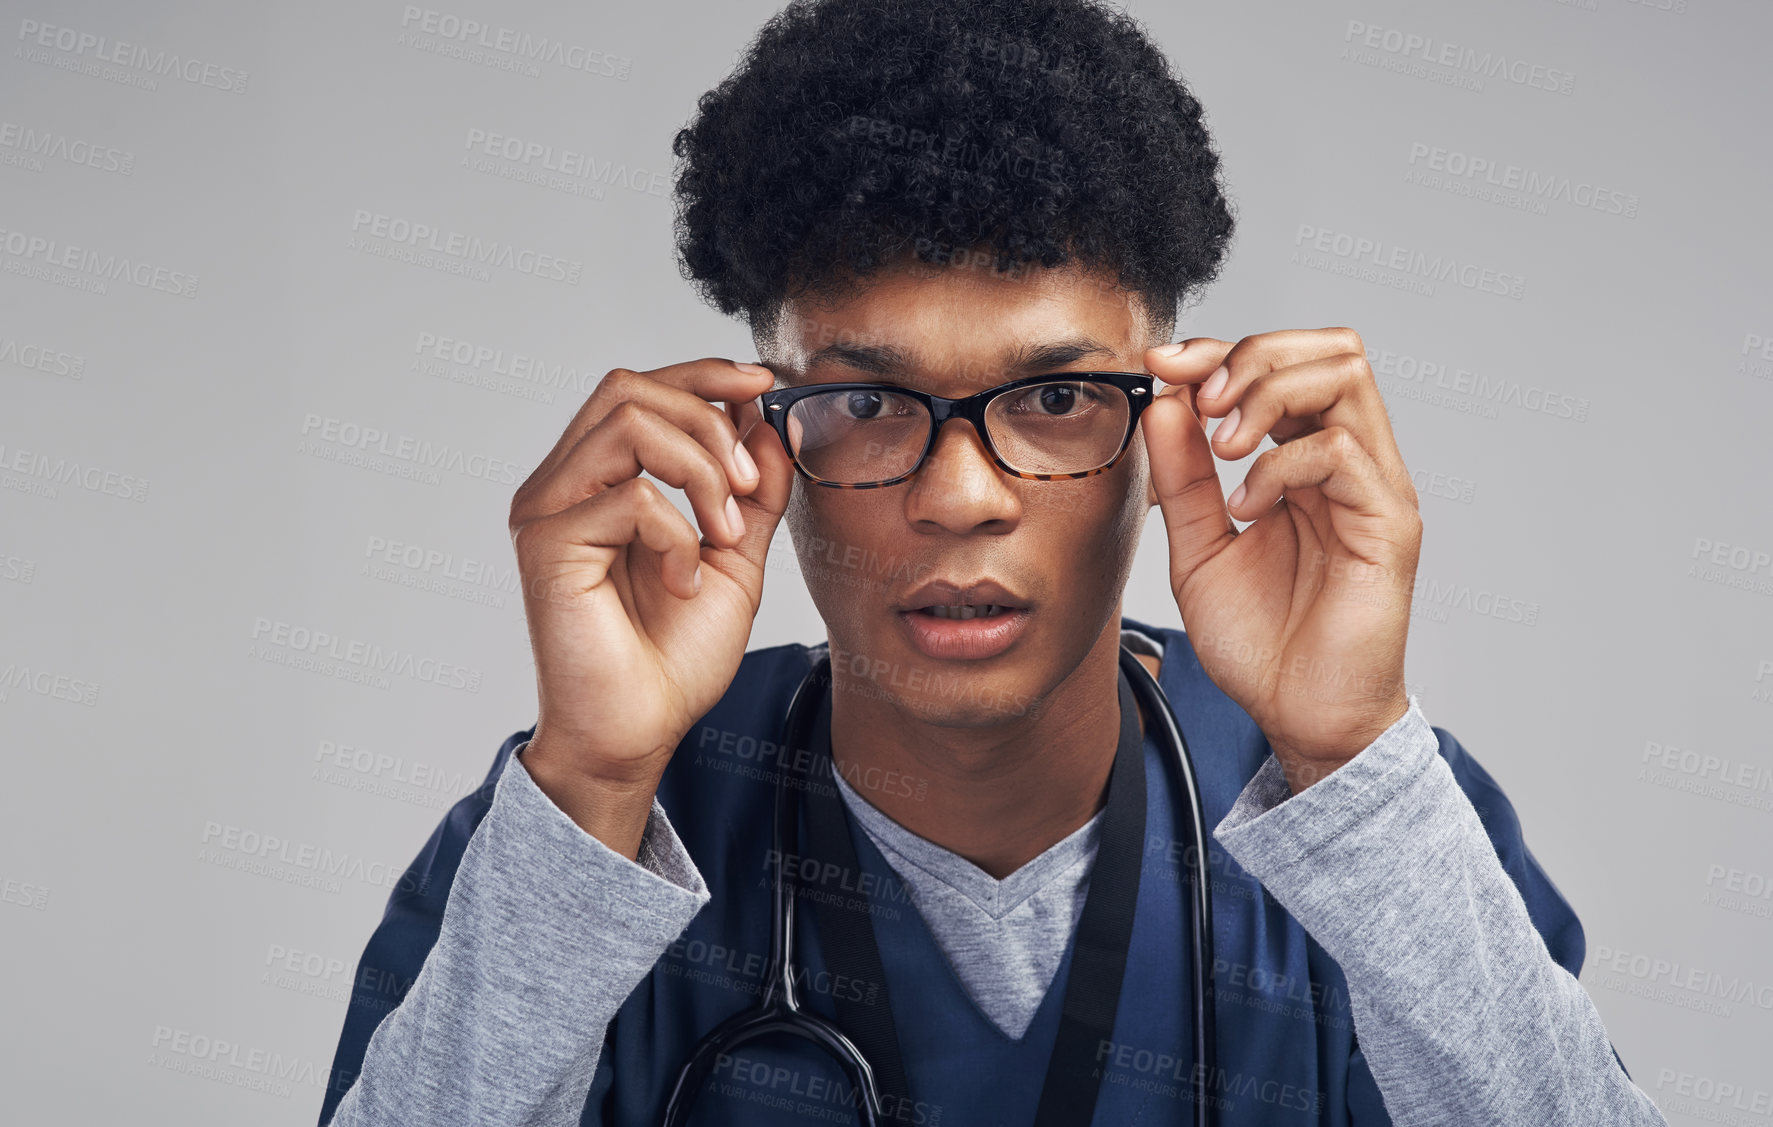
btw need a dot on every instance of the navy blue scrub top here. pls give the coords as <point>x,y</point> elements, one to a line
<point>1286,1044</point>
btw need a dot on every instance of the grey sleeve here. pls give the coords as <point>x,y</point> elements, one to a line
<point>546,932</point>
<point>1464,1016</point>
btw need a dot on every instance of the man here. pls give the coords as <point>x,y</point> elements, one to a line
<point>1005,199</point>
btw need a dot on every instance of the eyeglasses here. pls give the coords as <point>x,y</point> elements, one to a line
<point>1043,428</point>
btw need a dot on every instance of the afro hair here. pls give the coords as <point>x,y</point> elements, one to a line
<point>855,131</point>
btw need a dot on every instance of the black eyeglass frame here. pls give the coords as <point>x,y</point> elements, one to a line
<point>1135,385</point>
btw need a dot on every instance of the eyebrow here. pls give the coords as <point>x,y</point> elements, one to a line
<point>886,360</point>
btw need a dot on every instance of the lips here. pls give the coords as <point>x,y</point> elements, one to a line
<point>964,611</point>
<point>958,598</point>
<point>949,620</point>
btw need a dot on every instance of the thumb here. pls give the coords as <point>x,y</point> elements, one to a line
<point>1186,481</point>
<point>764,505</point>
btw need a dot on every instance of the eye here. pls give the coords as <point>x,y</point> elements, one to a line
<point>1058,400</point>
<point>863,404</point>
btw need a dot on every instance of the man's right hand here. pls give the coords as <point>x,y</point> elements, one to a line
<point>638,626</point>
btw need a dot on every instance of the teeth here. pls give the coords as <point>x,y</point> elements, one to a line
<point>965,612</point>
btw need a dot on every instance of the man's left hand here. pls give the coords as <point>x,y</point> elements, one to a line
<point>1301,618</point>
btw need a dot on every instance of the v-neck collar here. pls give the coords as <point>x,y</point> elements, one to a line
<point>996,898</point>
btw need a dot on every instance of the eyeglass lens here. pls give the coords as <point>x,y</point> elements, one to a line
<point>1054,427</point>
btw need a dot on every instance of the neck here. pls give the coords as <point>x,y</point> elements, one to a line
<point>998,795</point>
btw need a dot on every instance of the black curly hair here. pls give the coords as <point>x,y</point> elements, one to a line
<point>854,131</point>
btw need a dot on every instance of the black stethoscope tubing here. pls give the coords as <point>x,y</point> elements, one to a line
<point>778,1010</point>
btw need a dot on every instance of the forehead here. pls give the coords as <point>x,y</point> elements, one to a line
<point>961,327</point>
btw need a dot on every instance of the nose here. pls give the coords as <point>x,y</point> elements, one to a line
<point>959,488</point>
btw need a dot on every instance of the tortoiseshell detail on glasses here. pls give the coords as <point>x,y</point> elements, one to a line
<point>1135,385</point>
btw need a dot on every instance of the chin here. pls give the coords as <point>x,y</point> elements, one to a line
<point>949,700</point>
<point>886,667</point>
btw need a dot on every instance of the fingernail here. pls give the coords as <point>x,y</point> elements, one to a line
<point>1236,498</point>
<point>753,369</point>
<point>1216,384</point>
<point>1171,349</point>
<point>1227,428</point>
<point>743,463</point>
<point>735,520</point>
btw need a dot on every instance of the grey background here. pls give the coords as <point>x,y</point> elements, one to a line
<point>165,506</point>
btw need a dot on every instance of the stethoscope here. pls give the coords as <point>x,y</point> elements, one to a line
<point>778,1010</point>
